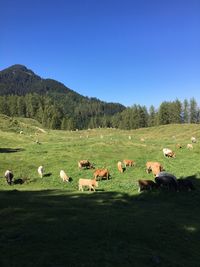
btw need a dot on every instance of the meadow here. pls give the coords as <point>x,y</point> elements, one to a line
<point>45,222</point>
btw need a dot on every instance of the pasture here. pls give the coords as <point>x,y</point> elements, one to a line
<point>45,222</point>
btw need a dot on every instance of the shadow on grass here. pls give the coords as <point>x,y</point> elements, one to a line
<point>60,228</point>
<point>10,150</point>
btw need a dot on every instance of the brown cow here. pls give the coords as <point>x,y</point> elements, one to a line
<point>128,162</point>
<point>146,185</point>
<point>154,167</point>
<point>86,164</point>
<point>103,173</point>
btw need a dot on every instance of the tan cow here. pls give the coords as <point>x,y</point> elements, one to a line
<point>154,167</point>
<point>90,183</point>
<point>189,146</point>
<point>128,162</point>
<point>102,173</point>
<point>119,166</point>
<point>64,176</point>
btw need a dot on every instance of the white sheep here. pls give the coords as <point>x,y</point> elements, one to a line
<point>64,176</point>
<point>41,171</point>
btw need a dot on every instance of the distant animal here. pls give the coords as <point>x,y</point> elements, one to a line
<point>91,184</point>
<point>166,180</point>
<point>189,146</point>
<point>168,153</point>
<point>41,171</point>
<point>146,185</point>
<point>154,167</point>
<point>119,166</point>
<point>178,146</point>
<point>101,173</point>
<point>64,176</point>
<point>21,132</point>
<point>193,139</point>
<point>85,164</point>
<point>9,177</point>
<point>128,162</point>
<point>185,185</point>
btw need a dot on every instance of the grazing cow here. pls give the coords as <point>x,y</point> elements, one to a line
<point>165,179</point>
<point>102,173</point>
<point>41,171</point>
<point>119,166</point>
<point>154,167</point>
<point>64,176</point>
<point>91,184</point>
<point>178,146</point>
<point>193,139</point>
<point>128,162</point>
<point>189,146</point>
<point>146,185</point>
<point>185,185</point>
<point>9,177</point>
<point>168,153</point>
<point>86,164</point>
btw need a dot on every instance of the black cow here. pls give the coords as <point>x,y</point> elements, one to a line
<point>168,180</point>
<point>185,185</point>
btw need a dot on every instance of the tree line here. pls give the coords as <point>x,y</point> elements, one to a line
<point>95,114</point>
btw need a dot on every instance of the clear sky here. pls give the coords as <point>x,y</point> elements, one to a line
<point>128,51</point>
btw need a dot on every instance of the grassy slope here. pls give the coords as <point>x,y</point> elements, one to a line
<point>47,223</point>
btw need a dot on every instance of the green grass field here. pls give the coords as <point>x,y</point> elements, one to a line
<point>45,222</point>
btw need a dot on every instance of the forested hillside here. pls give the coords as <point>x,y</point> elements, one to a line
<point>55,106</point>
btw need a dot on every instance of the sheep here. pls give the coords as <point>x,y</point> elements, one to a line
<point>64,176</point>
<point>119,166</point>
<point>90,183</point>
<point>9,176</point>
<point>41,171</point>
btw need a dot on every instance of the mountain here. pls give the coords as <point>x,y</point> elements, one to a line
<point>53,100</point>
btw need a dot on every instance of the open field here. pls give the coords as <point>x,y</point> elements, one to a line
<point>45,222</point>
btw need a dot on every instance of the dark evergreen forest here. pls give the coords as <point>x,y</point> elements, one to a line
<point>24,94</point>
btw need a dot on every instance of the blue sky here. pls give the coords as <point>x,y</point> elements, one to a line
<point>128,51</point>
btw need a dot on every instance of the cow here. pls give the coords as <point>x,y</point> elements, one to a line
<point>41,171</point>
<point>86,164</point>
<point>193,139</point>
<point>154,167</point>
<point>91,184</point>
<point>146,185</point>
<point>178,146</point>
<point>167,180</point>
<point>128,162</point>
<point>168,153</point>
<point>64,176</point>
<point>102,173</point>
<point>185,184</point>
<point>189,146</point>
<point>9,176</point>
<point>119,167</point>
